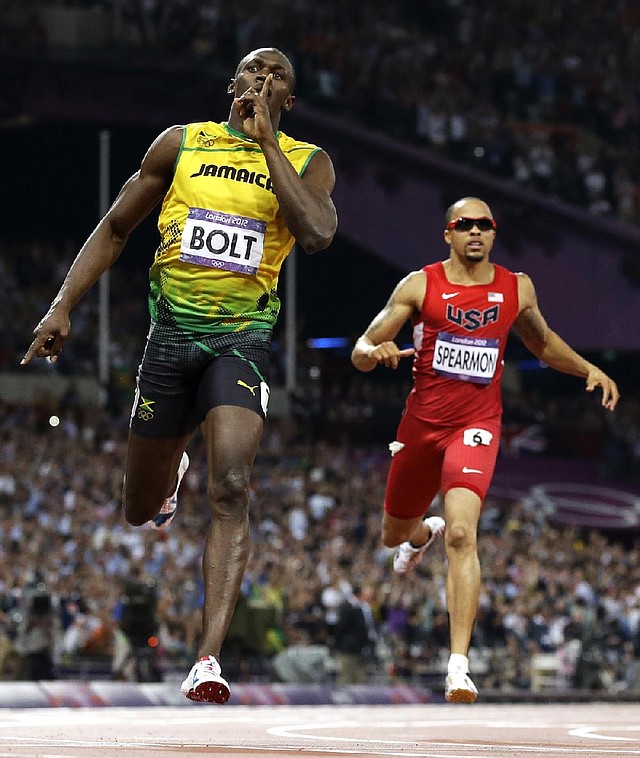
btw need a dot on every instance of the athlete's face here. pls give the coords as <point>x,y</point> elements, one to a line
<point>252,73</point>
<point>471,245</point>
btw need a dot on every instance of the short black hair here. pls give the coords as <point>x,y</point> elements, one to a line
<point>258,50</point>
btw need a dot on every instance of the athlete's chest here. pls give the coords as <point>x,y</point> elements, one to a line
<point>477,309</point>
<point>467,312</point>
<point>464,331</point>
<point>234,180</point>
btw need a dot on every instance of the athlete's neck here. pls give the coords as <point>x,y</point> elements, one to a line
<point>468,272</point>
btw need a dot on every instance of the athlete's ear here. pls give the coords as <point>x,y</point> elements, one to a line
<point>447,236</point>
<point>232,87</point>
<point>288,103</point>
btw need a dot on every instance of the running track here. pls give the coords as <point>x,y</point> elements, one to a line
<point>593,730</point>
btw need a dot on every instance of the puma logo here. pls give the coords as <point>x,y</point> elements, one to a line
<point>252,390</point>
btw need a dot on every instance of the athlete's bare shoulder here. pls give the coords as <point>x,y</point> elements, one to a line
<point>526,292</point>
<point>160,158</point>
<point>411,290</point>
<point>169,141</point>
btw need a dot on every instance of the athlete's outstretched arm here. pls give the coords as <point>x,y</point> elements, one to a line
<point>376,345</point>
<point>134,202</point>
<point>551,349</point>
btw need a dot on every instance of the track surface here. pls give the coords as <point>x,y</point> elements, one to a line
<point>424,731</point>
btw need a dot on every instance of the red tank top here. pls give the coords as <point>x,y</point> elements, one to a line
<point>460,339</point>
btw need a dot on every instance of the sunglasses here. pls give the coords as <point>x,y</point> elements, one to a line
<point>464,224</point>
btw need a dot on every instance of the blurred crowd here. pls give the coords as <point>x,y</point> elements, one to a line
<point>333,610</point>
<point>330,399</point>
<point>68,559</point>
<point>543,93</point>
<point>27,299</point>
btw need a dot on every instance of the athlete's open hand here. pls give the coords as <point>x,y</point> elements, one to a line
<point>253,108</point>
<point>610,394</point>
<point>50,335</point>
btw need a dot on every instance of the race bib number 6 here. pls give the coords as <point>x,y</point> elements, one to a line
<point>475,437</point>
<point>223,240</point>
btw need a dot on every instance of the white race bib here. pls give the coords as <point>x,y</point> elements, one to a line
<point>222,240</point>
<point>469,359</point>
<point>475,437</point>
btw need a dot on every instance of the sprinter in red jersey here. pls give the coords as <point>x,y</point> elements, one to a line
<point>462,310</point>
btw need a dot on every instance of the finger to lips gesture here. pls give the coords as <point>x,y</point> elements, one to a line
<point>252,108</point>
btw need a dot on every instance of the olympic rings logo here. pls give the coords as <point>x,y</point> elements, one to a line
<point>145,415</point>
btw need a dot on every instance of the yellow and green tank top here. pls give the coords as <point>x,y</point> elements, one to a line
<point>222,237</point>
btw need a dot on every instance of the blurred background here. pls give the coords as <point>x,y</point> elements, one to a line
<point>533,106</point>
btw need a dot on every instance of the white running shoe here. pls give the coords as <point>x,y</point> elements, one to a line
<point>407,556</point>
<point>204,683</point>
<point>458,688</point>
<point>170,506</point>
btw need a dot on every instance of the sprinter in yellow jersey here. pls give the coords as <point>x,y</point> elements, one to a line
<point>235,197</point>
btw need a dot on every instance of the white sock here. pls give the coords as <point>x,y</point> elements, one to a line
<point>458,663</point>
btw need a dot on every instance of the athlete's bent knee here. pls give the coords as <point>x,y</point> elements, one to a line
<point>136,508</point>
<point>135,519</point>
<point>389,540</point>
<point>394,536</point>
<point>229,494</point>
<point>459,538</point>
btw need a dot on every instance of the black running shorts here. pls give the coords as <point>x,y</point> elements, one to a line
<point>182,377</point>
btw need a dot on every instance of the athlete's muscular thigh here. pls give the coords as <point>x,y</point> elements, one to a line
<point>150,474</point>
<point>232,436</point>
<point>238,379</point>
<point>232,401</point>
<point>164,403</point>
<point>414,474</point>
<point>470,457</point>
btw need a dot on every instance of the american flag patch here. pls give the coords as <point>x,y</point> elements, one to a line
<point>495,297</point>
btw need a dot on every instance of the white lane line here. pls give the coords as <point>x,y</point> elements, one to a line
<point>298,731</point>
<point>592,732</point>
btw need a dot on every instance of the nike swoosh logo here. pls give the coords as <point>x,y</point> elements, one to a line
<point>466,470</point>
<point>446,296</point>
